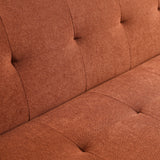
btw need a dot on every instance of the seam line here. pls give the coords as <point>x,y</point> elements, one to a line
<point>20,78</point>
<point>125,32</point>
<point>74,34</point>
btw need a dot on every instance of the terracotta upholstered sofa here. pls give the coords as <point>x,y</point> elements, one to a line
<point>79,80</point>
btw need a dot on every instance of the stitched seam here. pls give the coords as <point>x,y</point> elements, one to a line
<point>70,13</point>
<point>20,78</point>
<point>84,72</point>
<point>125,32</point>
<point>74,34</point>
<point>24,91</point>
<point>129,48</point>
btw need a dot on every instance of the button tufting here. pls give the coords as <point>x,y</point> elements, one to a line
<point>139,111</point>
<point>122,21</point>
<point>82,149</point>
<point>77,38</point>
<point>13,60</point>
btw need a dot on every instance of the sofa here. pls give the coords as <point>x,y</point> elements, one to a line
<point>79,79</point>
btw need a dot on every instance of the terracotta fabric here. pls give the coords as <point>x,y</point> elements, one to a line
<point>101,39</point>
<point>107,128</point>
<point>54,51</point>
<point>141,21</point>
<point>36,141</point>
<point>137,88</point>
<point>13,106</point>
<point>44,51</point>
<point>152,65</point>
<point>118,120</point>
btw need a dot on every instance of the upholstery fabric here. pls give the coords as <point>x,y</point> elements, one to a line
<point>54,57</point>
<point>36,141</point>
<point>141,21</point>
<point>152,65</point>
<point>96,125</point>
<point>13,106</point>
<point>44,51</point>
<point>101,39</point>
<point>61,48</point>
<point>138,88</point>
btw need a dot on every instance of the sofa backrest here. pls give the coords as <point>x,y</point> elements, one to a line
<point>54,50</point>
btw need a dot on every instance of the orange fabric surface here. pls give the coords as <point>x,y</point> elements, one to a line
<point>141,21</point>
<point>116,120</point>
<point>44,52</point>
<point>102,39</point>
<point>13,107</point>
<point>36,141</point>
<point>80,63</point>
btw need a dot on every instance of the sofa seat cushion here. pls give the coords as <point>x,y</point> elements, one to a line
<point>37,141</point>
<point>118,120</point>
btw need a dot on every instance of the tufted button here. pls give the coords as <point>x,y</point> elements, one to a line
<point>13,60</point>
<point>82,149</point>
<point>77,38</point>
<point>158,8</point>
<point>139,111</point>
<point>122,20</point>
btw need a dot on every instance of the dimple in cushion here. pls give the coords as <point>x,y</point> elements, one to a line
<point>13,106</point>
<point>36,141</point>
